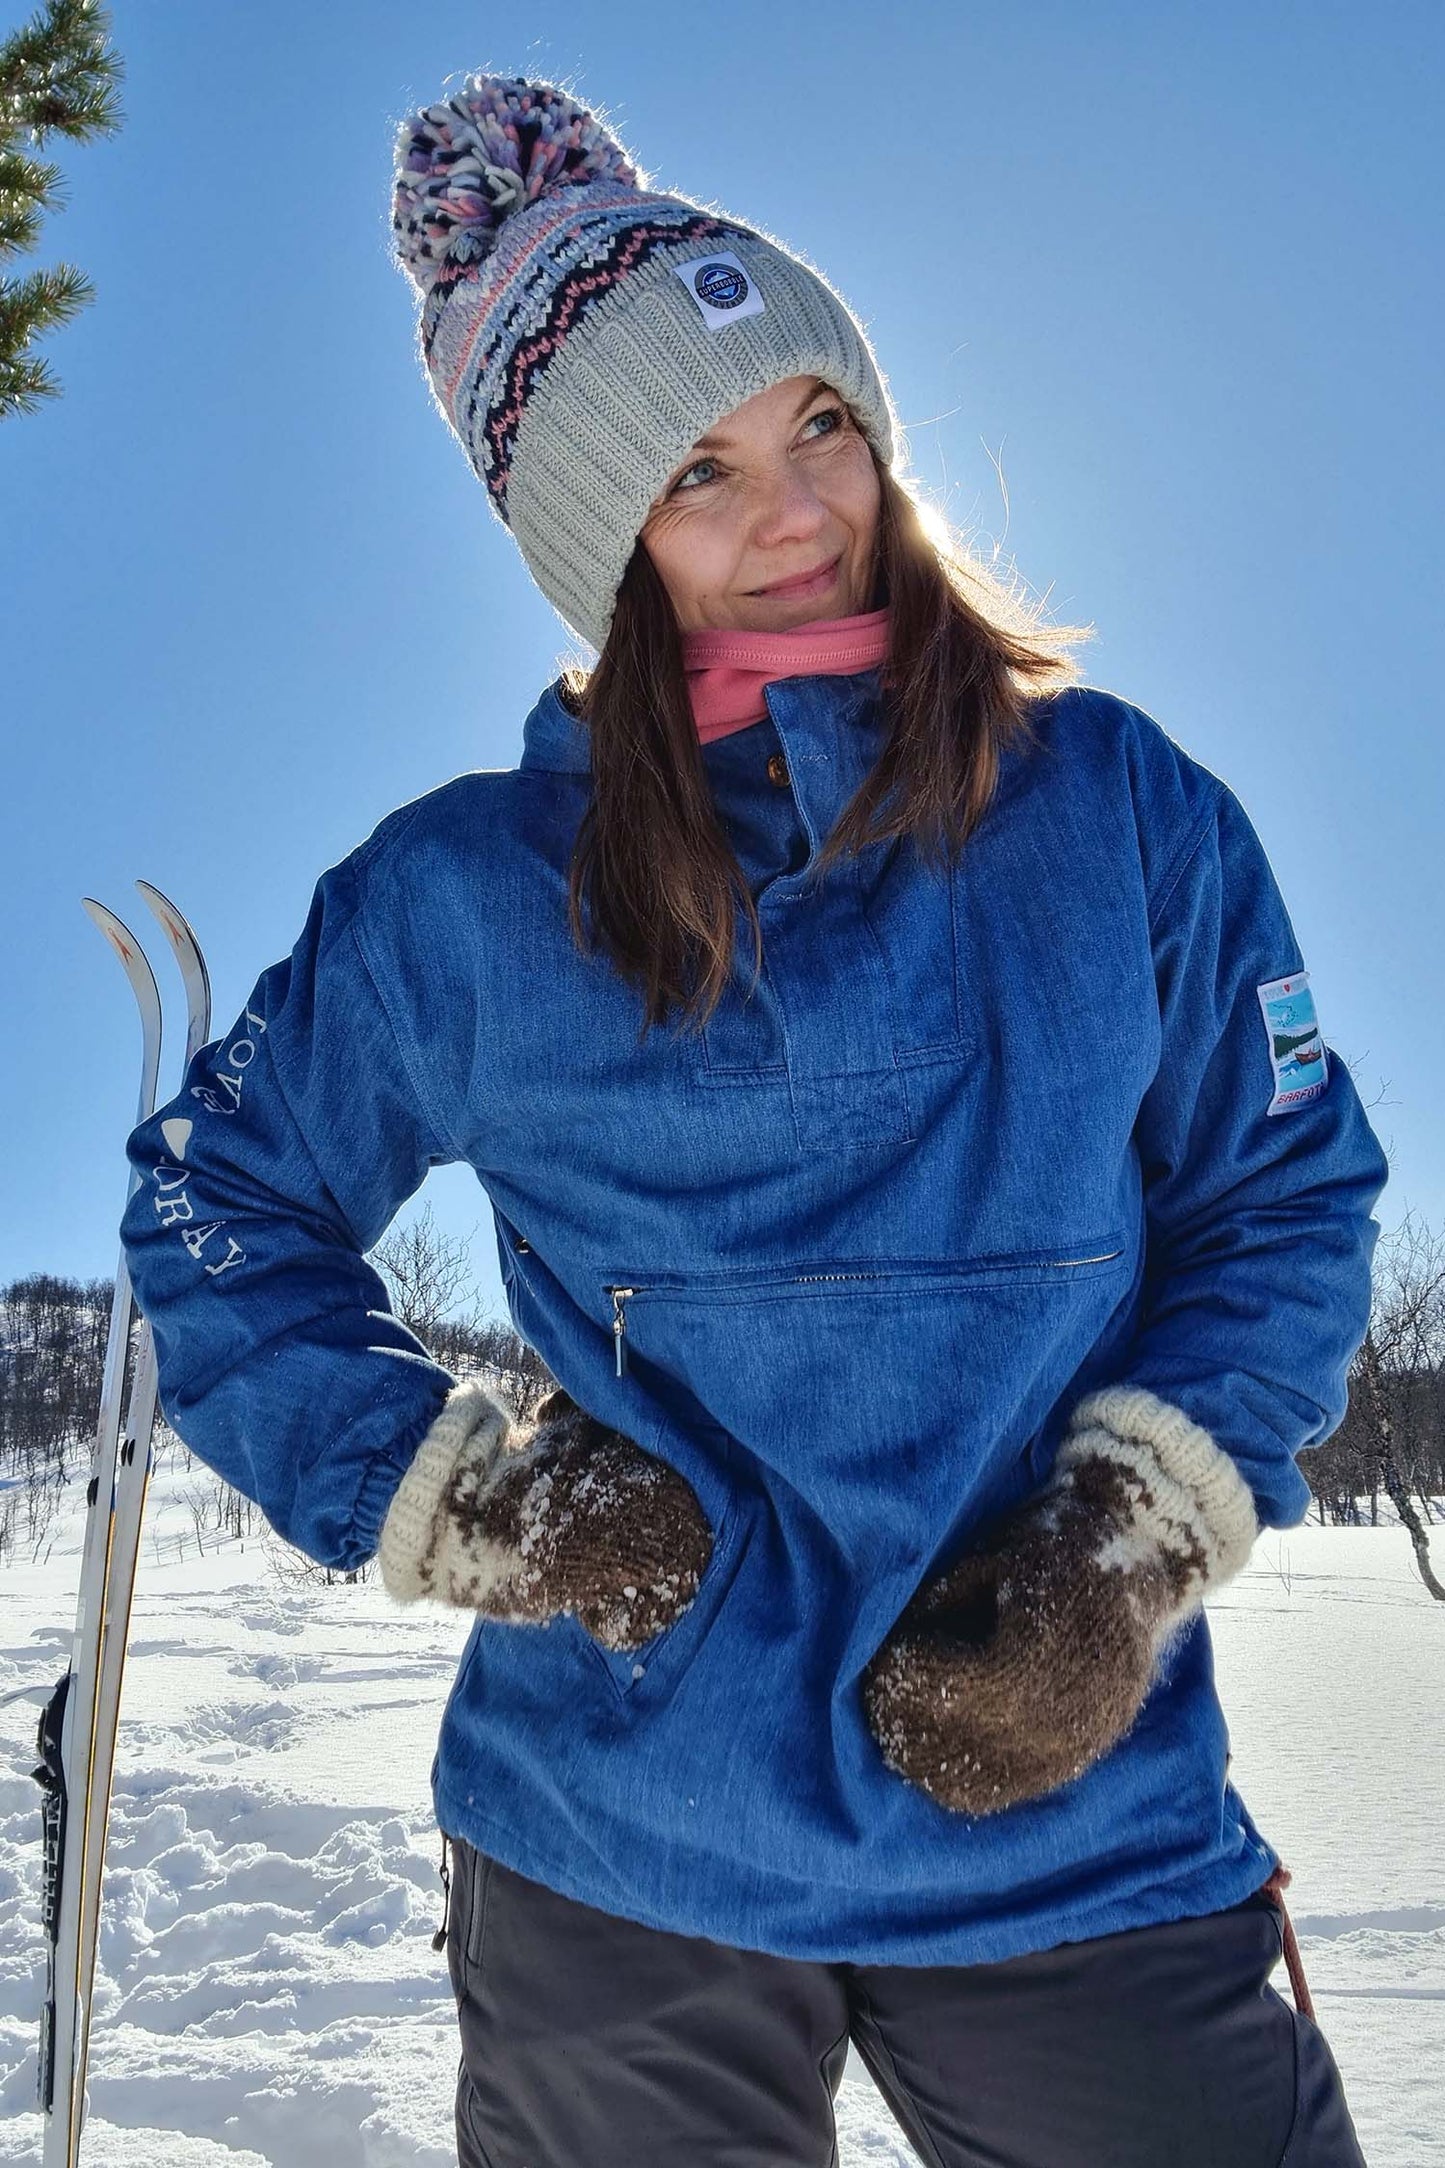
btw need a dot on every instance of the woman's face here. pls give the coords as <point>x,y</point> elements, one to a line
<point>771,520</point>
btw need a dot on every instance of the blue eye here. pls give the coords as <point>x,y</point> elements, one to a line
<point>703,471</point>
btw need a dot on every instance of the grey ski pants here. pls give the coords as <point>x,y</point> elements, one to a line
<point>591,2042</point>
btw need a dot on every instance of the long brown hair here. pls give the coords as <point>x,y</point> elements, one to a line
<point>652,864</point>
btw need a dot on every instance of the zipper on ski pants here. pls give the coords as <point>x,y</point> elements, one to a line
<point>439,1939</point>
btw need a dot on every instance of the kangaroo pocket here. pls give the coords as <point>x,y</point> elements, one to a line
<point>645,1673</point>
<point>889,1402</point>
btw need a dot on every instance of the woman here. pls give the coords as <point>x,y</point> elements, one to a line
<point>913,1153</point>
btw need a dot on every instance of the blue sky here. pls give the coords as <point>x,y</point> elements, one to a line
<point>1158,291</point>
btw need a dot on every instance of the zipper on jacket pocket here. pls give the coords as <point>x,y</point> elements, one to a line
<point>619,1322</point>
<point>1045,1264</point>
<point>621,1296</point>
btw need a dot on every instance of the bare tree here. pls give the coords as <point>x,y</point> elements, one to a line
<point>52,1351</point>
<point>429,1278</point>
<point>298,1570</point>
<point>196,1497</point>
<point>1396,1379</point>
<point>515,1364</point>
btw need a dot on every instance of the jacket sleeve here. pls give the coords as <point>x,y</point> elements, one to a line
<point>287,1152</point>
<point>1258,1188</point>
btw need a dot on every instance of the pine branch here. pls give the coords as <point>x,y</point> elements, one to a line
<point>27,189</point>
<point>40,302</point>
<point>59,74</point>
<point>29,307</point>
<point>23,385</point>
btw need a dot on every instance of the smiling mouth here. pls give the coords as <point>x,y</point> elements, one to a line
<point>802,582</point>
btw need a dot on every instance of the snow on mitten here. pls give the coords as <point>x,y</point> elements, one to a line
<point>1032,1655</point>
<point>523,1524</point>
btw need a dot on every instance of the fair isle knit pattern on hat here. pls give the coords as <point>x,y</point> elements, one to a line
<point>574,364</point>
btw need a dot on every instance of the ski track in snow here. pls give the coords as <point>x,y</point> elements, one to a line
<point>268,1995</point>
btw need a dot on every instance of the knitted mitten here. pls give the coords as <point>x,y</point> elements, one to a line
<point>1031,1657</point>
<point>561,1515</point>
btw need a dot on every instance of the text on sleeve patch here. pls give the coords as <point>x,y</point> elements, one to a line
<point>1296,1050</point>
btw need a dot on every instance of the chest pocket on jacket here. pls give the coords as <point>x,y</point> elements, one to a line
<point>788,1019</point>
<point>859,979</point>
<point>910,909</point>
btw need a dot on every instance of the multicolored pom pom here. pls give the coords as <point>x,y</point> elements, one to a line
<point>465,165</point>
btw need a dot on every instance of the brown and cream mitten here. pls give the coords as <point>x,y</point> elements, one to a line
<point>1032,1655</point>
<point>525,1522</point>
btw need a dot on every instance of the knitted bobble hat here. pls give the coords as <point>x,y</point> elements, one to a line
<point>582,330</point>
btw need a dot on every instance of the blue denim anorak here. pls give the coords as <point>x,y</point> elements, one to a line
<point>979,1139</point>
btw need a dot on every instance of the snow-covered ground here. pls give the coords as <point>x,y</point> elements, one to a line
<point>269,1993</point>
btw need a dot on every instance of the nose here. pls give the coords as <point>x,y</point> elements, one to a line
<point>788,510</point>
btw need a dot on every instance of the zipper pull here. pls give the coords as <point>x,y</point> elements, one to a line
<point>439,1939</point>
<point>619,1323</point>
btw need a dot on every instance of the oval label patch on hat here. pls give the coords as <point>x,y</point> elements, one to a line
<point>723,290</point>
<point>1296,1050</point>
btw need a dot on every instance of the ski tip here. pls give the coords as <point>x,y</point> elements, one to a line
<point>187,951</point>
<point>165,911</point>
<point>116,931</point>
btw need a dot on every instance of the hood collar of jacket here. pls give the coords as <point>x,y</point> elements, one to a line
<point>831,729</point>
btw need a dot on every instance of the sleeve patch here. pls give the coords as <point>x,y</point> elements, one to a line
<point>1296,1050</point>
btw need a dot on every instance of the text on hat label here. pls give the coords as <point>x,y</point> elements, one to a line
<point>721,287</point>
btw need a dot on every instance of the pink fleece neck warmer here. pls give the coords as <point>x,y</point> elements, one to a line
<point>726,671</point>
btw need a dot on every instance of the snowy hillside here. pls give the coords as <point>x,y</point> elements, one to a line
<point>269,1990</point>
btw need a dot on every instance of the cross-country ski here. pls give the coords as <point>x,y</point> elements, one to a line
<point>77,1730</point>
